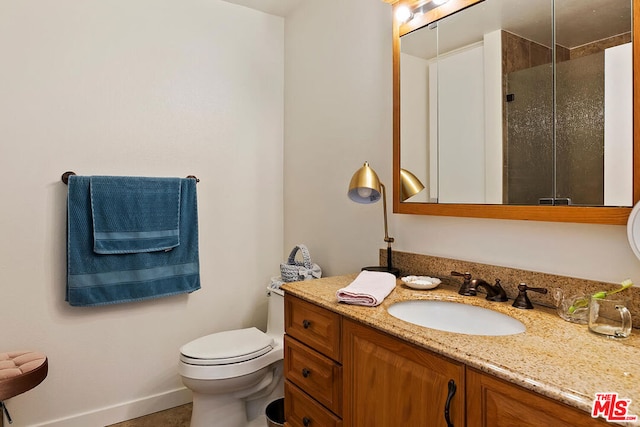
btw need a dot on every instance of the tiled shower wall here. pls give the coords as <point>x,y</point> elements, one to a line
<point>531,158</point>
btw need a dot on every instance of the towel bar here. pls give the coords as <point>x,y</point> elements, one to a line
<point>66,175</point>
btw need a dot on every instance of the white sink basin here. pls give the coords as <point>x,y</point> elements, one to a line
<point>456,317</point>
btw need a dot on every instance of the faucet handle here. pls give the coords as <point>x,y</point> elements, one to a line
<point>467,276</point>
<point>466,288</point>
<point>522,300</point>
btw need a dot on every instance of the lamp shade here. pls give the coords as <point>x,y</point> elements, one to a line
<point>410,185</point>
<point>365,185</point>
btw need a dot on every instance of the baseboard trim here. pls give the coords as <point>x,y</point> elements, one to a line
<point>124,411</point>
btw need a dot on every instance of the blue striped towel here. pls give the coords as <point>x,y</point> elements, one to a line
<point>133,215</point>
<point>98,279</point>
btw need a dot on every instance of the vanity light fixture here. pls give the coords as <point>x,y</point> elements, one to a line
<point>404,14</point>
<point>366,188</point>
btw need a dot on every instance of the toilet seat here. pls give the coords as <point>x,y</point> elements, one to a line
<point>229,347</point>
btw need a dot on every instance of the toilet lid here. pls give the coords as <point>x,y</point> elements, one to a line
<point>227,347</point>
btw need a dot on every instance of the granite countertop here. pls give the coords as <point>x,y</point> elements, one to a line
<point>553,357</point>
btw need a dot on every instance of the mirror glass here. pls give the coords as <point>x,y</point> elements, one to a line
<point>521,102</point>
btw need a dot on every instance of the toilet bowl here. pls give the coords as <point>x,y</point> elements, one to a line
<point>234,374</point>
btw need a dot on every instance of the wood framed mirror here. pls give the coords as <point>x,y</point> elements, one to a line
<point>587,212</point>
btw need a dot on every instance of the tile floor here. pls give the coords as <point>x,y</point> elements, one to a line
<point>179,416</point>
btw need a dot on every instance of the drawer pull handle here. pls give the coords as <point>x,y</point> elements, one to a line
<point>306,422</point>
<point>306,323</point>
<point>306,372</point>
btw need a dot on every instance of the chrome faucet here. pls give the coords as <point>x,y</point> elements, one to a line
<point>470,287</point>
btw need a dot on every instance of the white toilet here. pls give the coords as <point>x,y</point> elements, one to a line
<point>234,374</point>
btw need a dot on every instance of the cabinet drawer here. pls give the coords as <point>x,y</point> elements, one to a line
<point>317,375</point>
<point>315,326</point>
<point>302,411</point>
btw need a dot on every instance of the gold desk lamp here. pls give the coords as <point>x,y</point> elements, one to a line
<point>366,188</point>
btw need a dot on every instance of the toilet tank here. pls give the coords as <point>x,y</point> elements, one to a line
<point>275,313</point>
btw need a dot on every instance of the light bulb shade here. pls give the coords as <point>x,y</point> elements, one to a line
<point>410,185</point>
<point>403,14</point>
<point>365,185</point>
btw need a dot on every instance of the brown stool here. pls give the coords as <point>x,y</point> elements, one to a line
<point>20,371</point>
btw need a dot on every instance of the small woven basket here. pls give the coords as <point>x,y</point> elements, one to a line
<point>294,270</point>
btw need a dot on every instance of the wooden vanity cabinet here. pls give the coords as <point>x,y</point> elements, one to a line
<point>389,382</point>
<point>492,402</point>
<point>341,372</point>
<point>312,365</point>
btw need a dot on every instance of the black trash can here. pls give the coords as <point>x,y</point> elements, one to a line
<point>275,413</point>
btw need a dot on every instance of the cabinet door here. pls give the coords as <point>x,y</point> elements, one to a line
<point>389,382</point>
<point>492,402</point>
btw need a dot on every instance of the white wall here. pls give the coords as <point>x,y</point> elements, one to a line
<point>144,87</point>
<point>338,114</point>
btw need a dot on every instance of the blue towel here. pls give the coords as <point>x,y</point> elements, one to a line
<point>133,215</point>
<point>97,279</point>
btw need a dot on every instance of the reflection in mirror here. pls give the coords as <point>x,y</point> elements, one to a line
<point>479,124</point>
<point>410,185</point>
<point>594,102</point>
<point>419,128</point>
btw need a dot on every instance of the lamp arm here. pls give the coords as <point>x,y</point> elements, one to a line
<point>384,211</point>
<point>387,239</point>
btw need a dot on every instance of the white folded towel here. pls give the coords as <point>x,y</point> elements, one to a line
<point>369,288</point>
